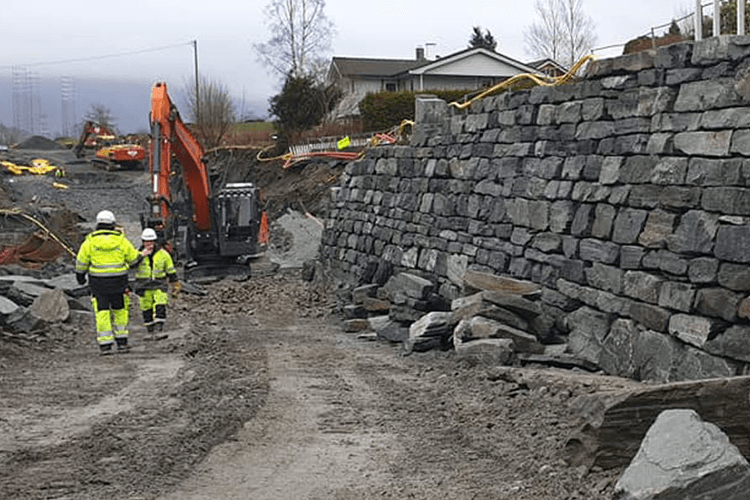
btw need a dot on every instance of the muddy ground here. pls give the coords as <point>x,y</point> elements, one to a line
<point>258,393</point>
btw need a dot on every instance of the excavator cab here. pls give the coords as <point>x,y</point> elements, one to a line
<point>238,212</point>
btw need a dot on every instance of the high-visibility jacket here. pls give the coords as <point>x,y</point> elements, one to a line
<point>106,253</point>
<point>154,271</point>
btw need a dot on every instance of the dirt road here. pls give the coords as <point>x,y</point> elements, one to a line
<point>259,394</point>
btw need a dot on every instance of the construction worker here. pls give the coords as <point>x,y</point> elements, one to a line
<point>105,256</point>
<point>152,279</point>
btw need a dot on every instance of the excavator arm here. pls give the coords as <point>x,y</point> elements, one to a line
<point>171,137</point>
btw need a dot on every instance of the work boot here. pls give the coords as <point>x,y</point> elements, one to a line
<point>122,345</point>
<point>150,332</point>
<point>106,350</point>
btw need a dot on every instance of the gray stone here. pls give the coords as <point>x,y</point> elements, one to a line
<point>715,143</point>
<point>409,285</point>
<point>604,216</point>
<point>710,172</point>
<point>23,320</point>
<point>588,329</point>
<point>653,356</point>
<point>675,295</point>
<point>616,356</point>
<point>359,293</point>
<point>703,270</point>
<point>7,307</point>
<point>485,328</point>
<point>523,307</point>
<point>732,243</point>
<point>631,257</point>
<point>695,233</point>
<point>717,303</point>
<point>707,95</point>
<point>387,329</point>
<point>658,226</point>
<point>665,261</point>
<point>727,200</point>
<point>642,286</point>
<point>631,63</point>
<point>594,250</point>
<point>51,306</point>
<point>485,352</point>
<point>628,225</point>
<point>604,277</point>
<point>734,343</point>
<point>734,277</point>
<point>684,457</point>
<point>650,316</point>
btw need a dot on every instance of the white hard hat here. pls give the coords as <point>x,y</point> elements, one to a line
<point>148,234</point>
<point>105,217</point>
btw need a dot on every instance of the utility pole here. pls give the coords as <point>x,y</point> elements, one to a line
<point>197,92</point>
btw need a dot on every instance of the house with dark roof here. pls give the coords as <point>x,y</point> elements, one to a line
<point>548,67</point>
<point>468,69</point>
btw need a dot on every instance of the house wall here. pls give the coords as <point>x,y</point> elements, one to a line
<point>625,195</point>
<point>440,82</point>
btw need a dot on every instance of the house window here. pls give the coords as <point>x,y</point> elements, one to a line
<point>390,87</point>
<point>486,83</point>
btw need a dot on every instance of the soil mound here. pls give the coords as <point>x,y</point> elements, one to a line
<point>38,142</point>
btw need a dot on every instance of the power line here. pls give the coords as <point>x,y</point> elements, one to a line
<point>96,58</point>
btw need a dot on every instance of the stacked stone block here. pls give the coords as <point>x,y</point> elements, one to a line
<point>626,195</point>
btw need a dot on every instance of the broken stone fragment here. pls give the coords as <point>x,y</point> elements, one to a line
<point>682,456</point>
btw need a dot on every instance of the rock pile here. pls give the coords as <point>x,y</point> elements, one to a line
<point>497,320</point>
<point>28,304</point>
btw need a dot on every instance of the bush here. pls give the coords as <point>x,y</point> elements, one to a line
<point>383,110</point>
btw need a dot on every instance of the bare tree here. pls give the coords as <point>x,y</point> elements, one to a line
<point>212,113</point>
<point>99,113</point>
<point>300,33</point>
<point>564,33</point>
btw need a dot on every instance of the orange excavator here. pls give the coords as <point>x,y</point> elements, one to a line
<point>108,153</point>
<point>212,228</point>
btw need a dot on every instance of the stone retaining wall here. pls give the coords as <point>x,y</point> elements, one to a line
<point>626,195</point>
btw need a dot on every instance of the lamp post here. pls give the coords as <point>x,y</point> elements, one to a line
<point>197,93</point>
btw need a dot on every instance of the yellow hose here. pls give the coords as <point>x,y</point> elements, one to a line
<point>18,212</point>
<point>542,81</point>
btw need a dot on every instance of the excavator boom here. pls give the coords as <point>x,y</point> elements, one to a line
<point>172,137</point>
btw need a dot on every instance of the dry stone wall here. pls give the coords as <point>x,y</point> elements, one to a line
<point>626,195</point>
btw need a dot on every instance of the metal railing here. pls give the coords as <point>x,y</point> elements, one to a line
<point>329,144</point>
<point>697,23</point>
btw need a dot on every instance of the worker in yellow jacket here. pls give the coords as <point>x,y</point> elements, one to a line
<point>105,256</point>
<point>152,279</point>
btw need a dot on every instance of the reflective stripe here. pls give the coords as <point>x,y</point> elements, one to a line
<point>106,253</point>
<point>105,338</point>
<point>157,266</point>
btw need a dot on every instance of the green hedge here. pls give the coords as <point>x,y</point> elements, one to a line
<point>383,110</point>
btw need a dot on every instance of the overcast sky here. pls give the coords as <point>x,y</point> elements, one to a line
<point>146,41</point>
